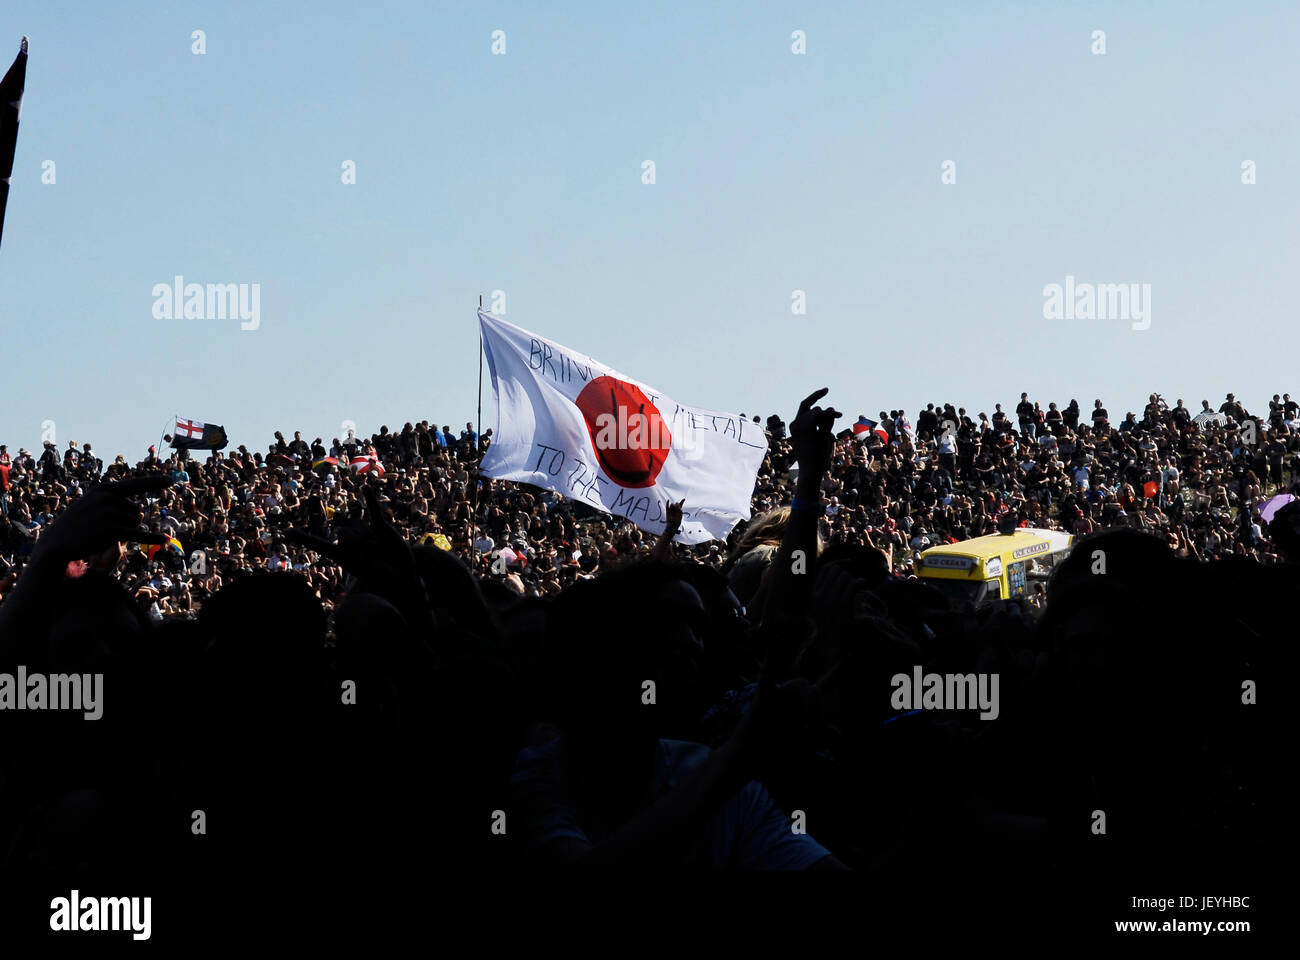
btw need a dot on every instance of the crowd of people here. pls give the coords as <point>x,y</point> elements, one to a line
<point>348,652</point>
<point>899,488</point>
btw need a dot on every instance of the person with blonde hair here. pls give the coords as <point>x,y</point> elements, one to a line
<point>754,552</point>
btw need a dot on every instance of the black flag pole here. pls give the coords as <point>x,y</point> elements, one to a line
<point>11,110</point>
<point>167,437</point>
<point>478,421</point>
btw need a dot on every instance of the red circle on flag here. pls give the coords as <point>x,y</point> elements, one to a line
<point>628,434</point>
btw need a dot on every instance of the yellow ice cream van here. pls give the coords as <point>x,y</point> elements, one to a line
<point>999,566</point>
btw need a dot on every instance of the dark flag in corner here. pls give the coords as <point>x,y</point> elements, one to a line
<point>11,109</point>
<point>194,435</point>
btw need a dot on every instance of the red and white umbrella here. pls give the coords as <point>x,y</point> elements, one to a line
<point>367,463</point>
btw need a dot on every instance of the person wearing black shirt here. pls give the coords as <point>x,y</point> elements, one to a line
<point>1071,415</point>
<point>49,463</point>
<point>299,446</point>
<point>1025,416</point>
<point>1100,416</point>
<point>927,422</point>
<point>1274,453</point>
<point>1233,408</point>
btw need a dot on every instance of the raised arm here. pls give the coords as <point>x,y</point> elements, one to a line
<point>663,549</point>
<point>790,586</point>
<point>92,529</point>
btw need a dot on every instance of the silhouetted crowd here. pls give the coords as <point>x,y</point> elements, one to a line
<point>361,654</point>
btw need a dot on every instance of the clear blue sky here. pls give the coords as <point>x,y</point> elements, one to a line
<point>522,172</point>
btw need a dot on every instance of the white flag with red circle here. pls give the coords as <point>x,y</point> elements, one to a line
<point>570,424</point>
